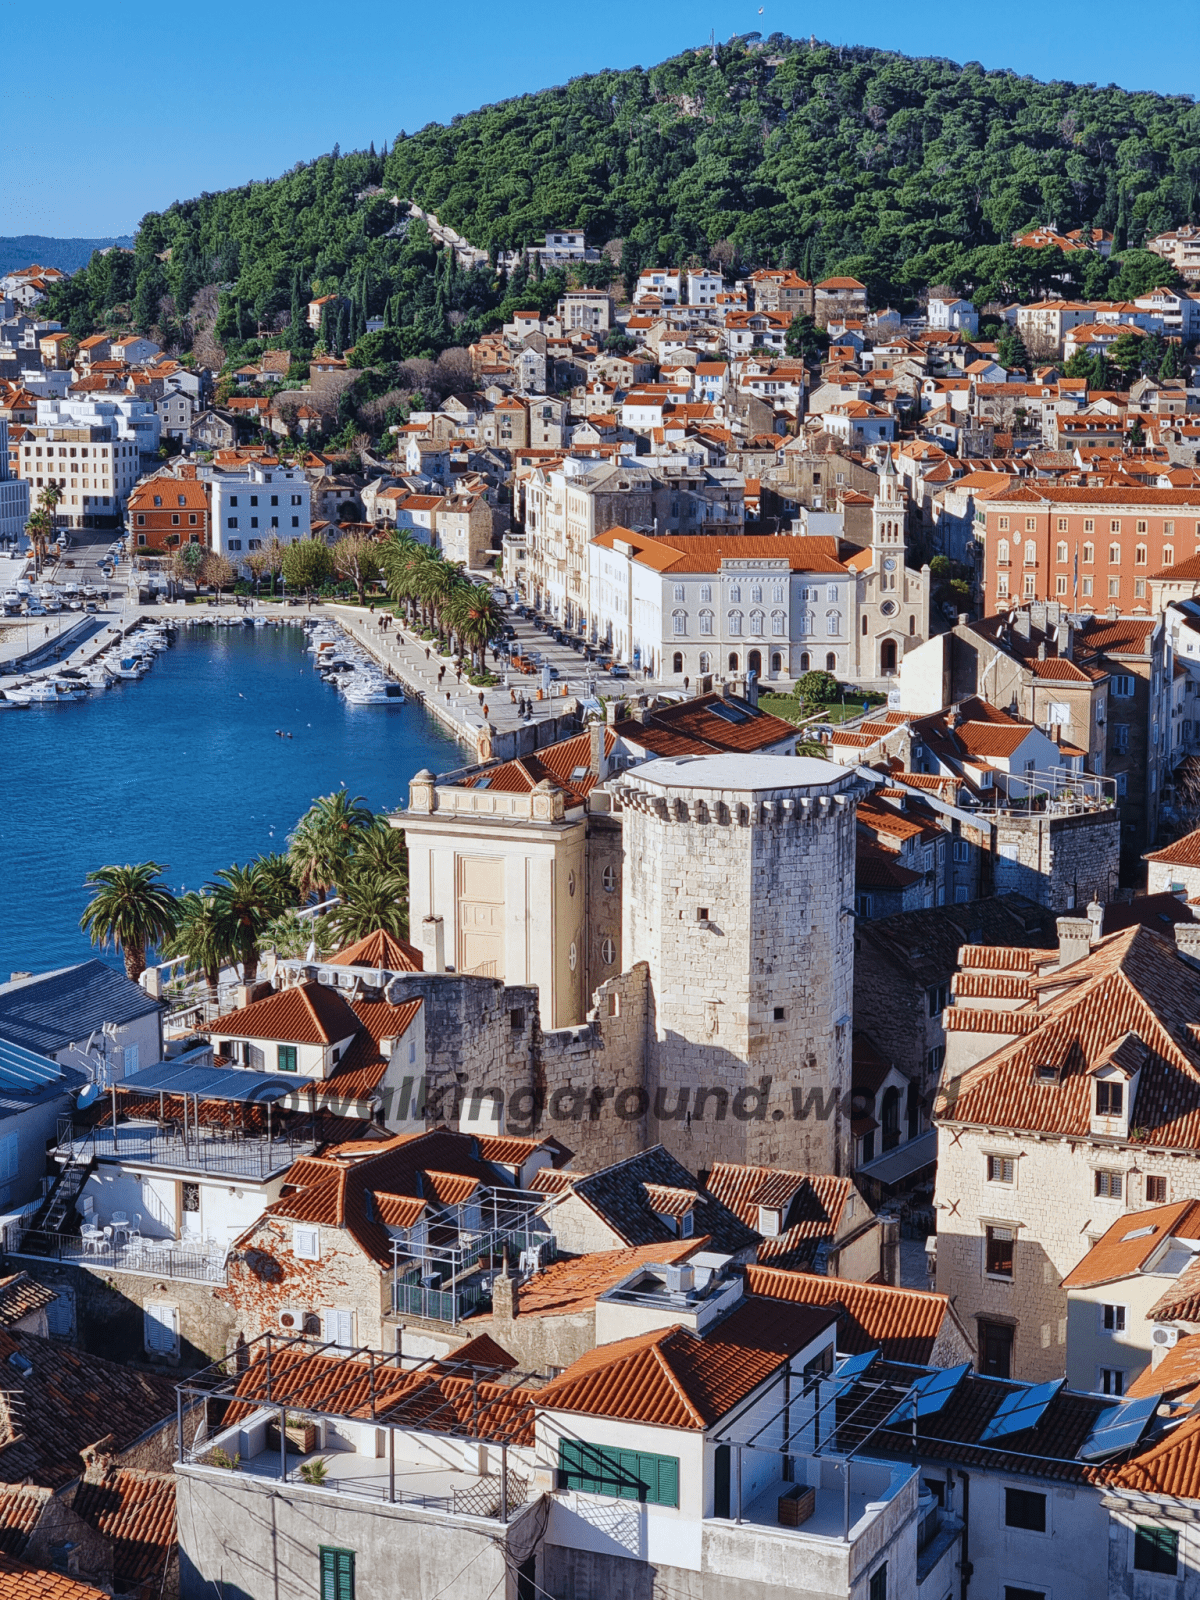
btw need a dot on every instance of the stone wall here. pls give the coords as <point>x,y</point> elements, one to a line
<point>1060,862</point>
<point>109,1311</point>
<point>739,906</point>
<point>1053,1207</point>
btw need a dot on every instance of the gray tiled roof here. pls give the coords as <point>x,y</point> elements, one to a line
<point>618,1193</point>
<point>54,1009</point>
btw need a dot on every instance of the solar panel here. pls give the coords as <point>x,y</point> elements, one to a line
<point>1020,1410</point>
<point>1118,1428</point>
<point>929,1394</point>
<point>854,1366</point>
<point>722,708</point>
<point>22,1069</point>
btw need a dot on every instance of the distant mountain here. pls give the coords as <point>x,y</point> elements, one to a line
<point>68,255</point>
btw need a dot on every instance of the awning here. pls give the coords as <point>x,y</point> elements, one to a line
<point>903,1161</point>
<point>207,1083</point>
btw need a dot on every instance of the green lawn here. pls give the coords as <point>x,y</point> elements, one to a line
<point>791,710</point>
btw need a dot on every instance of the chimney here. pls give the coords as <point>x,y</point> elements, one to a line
<point>97,1458</point>
<point>1075,939</point>
<point>1187,942</point>
<point>1042,651</point>
<point>1020,623</point>
<point>1095,913</point>
<point>612,710</point>
<point>597,759</point>
<point>433,938</point>
<point>889,1247</point>
<point>506,1293</point>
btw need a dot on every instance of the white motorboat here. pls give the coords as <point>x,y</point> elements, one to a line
<point>364,690</point>
<point>125,666</point>
<point>96,676</point>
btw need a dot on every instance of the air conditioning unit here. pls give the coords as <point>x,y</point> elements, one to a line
<point>1165,1338</point>
<point>291,1320</point>
<point>680,1280</point>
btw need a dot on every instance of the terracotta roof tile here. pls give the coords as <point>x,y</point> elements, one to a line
<point>696,727</point>
<point>1004,958</point>
<point>382,952</point>
<point>20,1296</point>
<point>573,1284</point>
<point>135,1511</point>
<point>1135,985</point>
<point>19,1581</point>
<point>813,1206</point>
<point>1131,1241</point>
<point>990,986</point>
<point>964,1019</point>
<point>309,1013</point>
<point>672,1378</point>
<point>619,1195</point>
<point>902,1324</point>
<point>20,1507</point>
<point>1181,1302</point>
<point>1176,1375</point>
<point>1184,852</point>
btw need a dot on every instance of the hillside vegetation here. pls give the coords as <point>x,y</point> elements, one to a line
<point>902,172</point>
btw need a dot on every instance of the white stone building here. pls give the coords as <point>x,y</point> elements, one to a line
<point>256,505</point>
<point>685,607</point>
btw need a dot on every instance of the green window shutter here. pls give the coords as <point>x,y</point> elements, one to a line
<point>337,1573</point>
<point>622,1474</point>
<point>668,1480</point>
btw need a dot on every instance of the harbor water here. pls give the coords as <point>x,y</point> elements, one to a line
<point>209,759</point>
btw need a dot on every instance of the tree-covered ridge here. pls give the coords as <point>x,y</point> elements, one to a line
<point>901,172</point>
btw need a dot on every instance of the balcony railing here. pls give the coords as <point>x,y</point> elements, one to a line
<point>152,1258</point>
<point>218,1150</point>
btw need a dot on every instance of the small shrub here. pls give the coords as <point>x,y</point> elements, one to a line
<point>314,1472</point>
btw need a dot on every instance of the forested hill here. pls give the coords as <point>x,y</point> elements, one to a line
<point>68,255</point>
<point>902,172</point>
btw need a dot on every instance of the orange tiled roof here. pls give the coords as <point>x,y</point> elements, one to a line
<point>902,1324</point>
<point>309,1013</point>
<point>20,1581</point>
<point>1006,958</point>
<point>566,765</point>
<point>382,952</point>
<point>672,1378</point>
<point>1179,1370</point>
<point>1184,852</point>
<point>694,727</point>
<point>1131,1241</point>
<point>20,1507</point>
<point>573,1284</point>
<point>135,1512</point>
<point>1181,1302</point>
<point>812,1207</point>
<point>990,986</point>
<point>20,1296</point>
<point>1134,988</point>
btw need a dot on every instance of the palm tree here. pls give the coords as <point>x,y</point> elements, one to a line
<point>368,905</point>
<point>247,898</point>
<point>396,559</point>
<point>323,840</point>
<point>200,938</point>
<point>129,909</point>
<point>476,619</point>
<point>290,936</point>
<point>37,531</point>
<point>277,870</point>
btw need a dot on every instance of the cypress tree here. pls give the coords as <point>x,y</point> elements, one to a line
<point>339,333</point>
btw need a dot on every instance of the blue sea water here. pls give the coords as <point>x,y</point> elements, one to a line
<point>184,768</point>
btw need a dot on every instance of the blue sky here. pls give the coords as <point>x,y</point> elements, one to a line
<point>162,102</point>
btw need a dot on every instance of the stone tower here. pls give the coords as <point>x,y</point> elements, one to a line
<point>887,516</point>
<point>739,895</point>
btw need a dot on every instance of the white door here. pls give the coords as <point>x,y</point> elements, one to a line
<point>190,1227</point>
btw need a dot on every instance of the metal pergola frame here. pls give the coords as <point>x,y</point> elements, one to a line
<point>215,1382</point>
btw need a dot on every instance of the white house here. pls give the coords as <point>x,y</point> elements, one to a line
<point>258,504</point>
<point>660,283</point>
<point>703,286</point>
<point>953,314</point>
<point>683,607</point>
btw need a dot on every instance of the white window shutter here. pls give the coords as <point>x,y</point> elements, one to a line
<point>162,1329</point>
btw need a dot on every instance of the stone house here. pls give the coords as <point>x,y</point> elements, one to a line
<point>464,528</point>
<point>809,1222</point>
<point>1069,1095</point>
<point>1175,869</point>
<point>364,1232</point>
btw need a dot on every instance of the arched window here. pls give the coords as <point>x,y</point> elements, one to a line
<point>1089,552</point>
<point>733,661</point>
<point>757,620</point>
<point>706,622</point>
<point>912,624</point>
<point>608,952</point>
<point>1114,555</point>
<point>887,656</point>
<point>805,663</point>
<point>678,622</point>
<point>864,627</point>
<point>1062,553</point>
<point>831,662</point>
<point>778,624</point>
<point>1002,550</point>
<point>833,623</point>
<point>677,661</point>
<point>754,664</point>
<point>735,622</point>
<point>1139,556</point>
<point>705,661</point>
<point>806,624</point>
<point>891,1118</point>
<point>610,879</point>
<point>776,661</point>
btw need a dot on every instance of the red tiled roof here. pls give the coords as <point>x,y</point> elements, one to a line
<point>574,1283</point>
<point>135,1512</point>
<point>1133,988</point>
<point>1131,1241</point>
<point>566,765</point>
<point>812,1207</point>
<point>672,1378</point>
<point>1006,958</point>
<point>695,727</point>
<point>902,1324</point>
<point>382,952</point>
<point>20,1507</point>
<point>309,1013</point>
<point>19,1581</point>
<point>20,1296</point>
<point>1184,852</point>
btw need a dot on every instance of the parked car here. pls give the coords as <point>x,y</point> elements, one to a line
<point>618,671</point>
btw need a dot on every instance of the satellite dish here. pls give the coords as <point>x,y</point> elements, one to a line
<point>88,1093</point>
